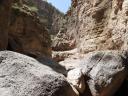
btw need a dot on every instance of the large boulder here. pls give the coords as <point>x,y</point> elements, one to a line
<point>21,75</point>
<point>106,71</point>
<point>103,71</point>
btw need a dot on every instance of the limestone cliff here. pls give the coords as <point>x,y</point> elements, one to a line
<point>26,33</point>
<point>91,25</point>
<point>48,14</point>
<point>99,24</point>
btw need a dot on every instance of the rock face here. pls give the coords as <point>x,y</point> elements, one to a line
<point>97,25</point>
<point>89,25</point>
<point>5,7</point>
<point>21,75</point>
<point>26,34</point>
<point>62,44</point>
<point>64,40</point>
<point>104,25</point>
<point>106,71</point>
<point>51,17</point>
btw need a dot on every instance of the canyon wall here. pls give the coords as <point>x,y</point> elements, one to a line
<point>48,14</point>
<point>22,31</point>
<point>26,26</point>
<point>26,33</point>
<point>97,25</point>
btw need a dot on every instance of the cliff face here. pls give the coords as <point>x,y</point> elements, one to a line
<point>97,24</point>
<point>91,25</point>
<point>26,33</point>
<point>26,26</point>
<point>5,6</point>
<point>48,14</point>
<point>102,24</point>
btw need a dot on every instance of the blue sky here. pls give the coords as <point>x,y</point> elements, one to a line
<point>62,5</point>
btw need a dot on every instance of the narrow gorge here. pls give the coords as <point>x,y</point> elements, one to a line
<point>45,52</point>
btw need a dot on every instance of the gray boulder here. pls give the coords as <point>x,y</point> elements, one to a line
<point>106,71</point>
<point>21,75</point>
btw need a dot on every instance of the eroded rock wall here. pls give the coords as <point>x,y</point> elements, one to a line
<point>22,31</point>
<point>50,16</point>
<point>103,25</point>
<point>26,33</point>
<point>97,25</point>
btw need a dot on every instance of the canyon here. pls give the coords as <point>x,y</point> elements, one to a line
<point>44,52</point>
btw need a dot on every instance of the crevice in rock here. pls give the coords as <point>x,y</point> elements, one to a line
<point>98,15</point>
<point>123,90</point>
<point>119,6</point>
<point>87,91</point>
<point>9,47</point>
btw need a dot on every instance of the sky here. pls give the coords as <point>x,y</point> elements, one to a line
<point>62,5</point>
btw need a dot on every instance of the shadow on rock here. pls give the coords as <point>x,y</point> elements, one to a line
<point>48,62</point>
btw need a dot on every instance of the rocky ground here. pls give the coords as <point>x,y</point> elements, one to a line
<point>47,53</point>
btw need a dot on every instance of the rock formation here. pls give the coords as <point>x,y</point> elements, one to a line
<point>104,73</point>
<point>97,25</point>
<point>26,33</point>
<point>90,47</point>
<point>51,17</point>
<point>92,25</point>
<point>21,75</point>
